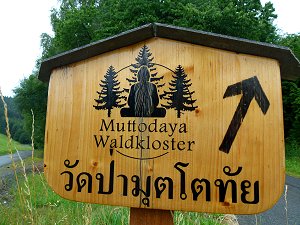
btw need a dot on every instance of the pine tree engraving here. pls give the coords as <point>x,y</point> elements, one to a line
<point>145,58</point>
<point>110,95</point>
<point>179,97</point>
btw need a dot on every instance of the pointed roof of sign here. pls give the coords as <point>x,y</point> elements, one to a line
<point>289,64</point>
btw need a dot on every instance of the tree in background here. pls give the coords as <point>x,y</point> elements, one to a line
<point>32,95</point>
<point>291,94</point>
<point>79,22</point>
<point>292,41</point>
<point>16,127</point>
<point>291,109</point>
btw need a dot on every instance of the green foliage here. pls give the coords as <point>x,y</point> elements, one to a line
<point>291,110</point>
<point>16,127</point>
<point>291,94</point>
<point>293,42</point>
<point>77,23</point>
<point>32,95</point>
<point>46,207</point>
<point>80,22</point>
<point>288,103</point>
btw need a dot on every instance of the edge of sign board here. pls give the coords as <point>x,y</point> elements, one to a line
<point>227,211</point>
<point>59,116</point>
<point>289,64</point>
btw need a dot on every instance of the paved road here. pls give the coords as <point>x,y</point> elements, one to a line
<point>277,215</point>
<point>5,159</point>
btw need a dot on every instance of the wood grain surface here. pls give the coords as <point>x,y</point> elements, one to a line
<point>164,171</point>
<point>150,216</point>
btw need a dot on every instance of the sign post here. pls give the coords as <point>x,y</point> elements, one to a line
<point>140,216</point>
<point>168,118</point>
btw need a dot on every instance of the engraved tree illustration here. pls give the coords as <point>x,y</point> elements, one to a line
<point>110,95</point>
<point>179,97</point>
<point>145,58</point>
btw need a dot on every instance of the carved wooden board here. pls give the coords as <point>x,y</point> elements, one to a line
<point>167,125</point>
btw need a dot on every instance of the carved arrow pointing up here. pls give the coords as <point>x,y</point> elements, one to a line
<point>250,88</point>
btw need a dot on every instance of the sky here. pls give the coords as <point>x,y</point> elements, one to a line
<point>23,21</point>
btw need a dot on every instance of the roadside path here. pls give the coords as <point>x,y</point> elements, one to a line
<point>278,215</point>
<point>5,159</point>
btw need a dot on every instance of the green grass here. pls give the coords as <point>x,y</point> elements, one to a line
<point>46,207</point>
<point>36,203</point>
<point>43,206</point>
<point>293,159</point>
<point>293,167</point>
<point>15,145</point>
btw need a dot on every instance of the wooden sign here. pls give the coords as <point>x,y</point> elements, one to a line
<point>163,124</point>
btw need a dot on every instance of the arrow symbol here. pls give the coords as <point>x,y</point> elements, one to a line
<point>250,88</point>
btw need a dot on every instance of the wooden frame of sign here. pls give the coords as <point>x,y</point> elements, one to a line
<point>168,118</point>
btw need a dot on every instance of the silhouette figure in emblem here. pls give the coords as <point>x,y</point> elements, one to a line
<point>143,98</point>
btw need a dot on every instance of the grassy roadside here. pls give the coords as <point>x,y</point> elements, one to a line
<point>15,145</point>
<point>35,203</point>
<point>293,159</point>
